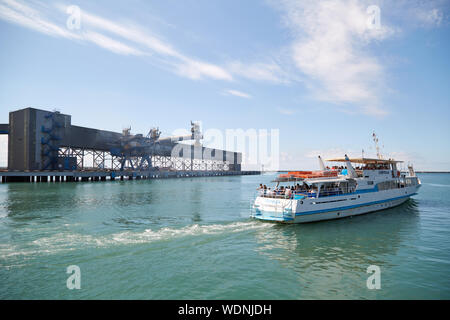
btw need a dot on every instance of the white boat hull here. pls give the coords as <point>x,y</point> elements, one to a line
<point>328,208</point>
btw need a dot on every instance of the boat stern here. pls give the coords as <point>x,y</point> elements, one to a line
<point>273,209</point>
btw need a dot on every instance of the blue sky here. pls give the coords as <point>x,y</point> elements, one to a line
<point>314,70</point>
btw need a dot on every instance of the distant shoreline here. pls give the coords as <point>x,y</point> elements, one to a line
<point>432,171</point>
<point>405,171</point>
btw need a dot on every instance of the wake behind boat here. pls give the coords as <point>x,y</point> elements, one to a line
<point>307,196</point>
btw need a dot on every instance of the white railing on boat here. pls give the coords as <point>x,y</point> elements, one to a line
<point>299,194</point>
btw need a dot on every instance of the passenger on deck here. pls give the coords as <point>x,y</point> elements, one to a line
<point>287,193</point>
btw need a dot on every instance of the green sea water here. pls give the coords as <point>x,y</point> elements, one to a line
<point>192,239</point>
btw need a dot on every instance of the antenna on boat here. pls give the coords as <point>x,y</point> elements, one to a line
<point>412,173</point>
<point>321,165</point>
<point>375,139</point>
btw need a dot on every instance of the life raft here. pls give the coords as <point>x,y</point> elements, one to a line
<point>309,174</point>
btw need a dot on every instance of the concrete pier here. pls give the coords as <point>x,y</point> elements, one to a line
<point>94,176</point>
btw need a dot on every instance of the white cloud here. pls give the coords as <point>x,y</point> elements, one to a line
<point>130,33</point>
<point>195,69</point>
<point>181,64</point>
<point>432,17</point>
<point>124,39</point>
<point>238,94</point>
<point>271,72</point>
<point>417,13</point>
<point>330,39</point>
<point>110,44</point>
<point>15,12</point>
<point>329,53</point>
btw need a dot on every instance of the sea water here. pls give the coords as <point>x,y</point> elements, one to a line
<point>192,238</point>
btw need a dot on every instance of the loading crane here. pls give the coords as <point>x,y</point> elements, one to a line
<point>136,151</point>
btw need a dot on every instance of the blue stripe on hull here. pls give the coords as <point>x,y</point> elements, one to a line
<point>351,207</point>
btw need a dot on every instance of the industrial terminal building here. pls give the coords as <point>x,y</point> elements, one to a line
<point>45,146</point>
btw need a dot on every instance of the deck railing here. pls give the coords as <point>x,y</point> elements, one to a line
<point>278,194</point>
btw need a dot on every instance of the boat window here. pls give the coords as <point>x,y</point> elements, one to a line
<point>386,185</point>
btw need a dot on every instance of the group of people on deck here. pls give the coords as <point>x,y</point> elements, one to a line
<point>290,191</point>
<point>369,166</point>
<point>287,191</point>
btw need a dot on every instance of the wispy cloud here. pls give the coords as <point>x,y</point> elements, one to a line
<point>329,52</point>
<point>238,94</point>
<point>110,44</point>
<point>21,14</point>
<point>119,38</point>
<point>329,47</point>
<point>181,64</point>
<point>419,14</point>
<point>432,17</point>
<point>260,71</point>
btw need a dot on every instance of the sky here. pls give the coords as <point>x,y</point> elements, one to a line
<point>325,74</point>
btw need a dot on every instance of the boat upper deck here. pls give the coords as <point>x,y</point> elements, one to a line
<point>366,160</point>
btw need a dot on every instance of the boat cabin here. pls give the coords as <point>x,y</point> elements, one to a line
<point>370,175</point>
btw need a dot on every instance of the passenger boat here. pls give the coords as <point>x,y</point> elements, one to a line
<point>339,192</point>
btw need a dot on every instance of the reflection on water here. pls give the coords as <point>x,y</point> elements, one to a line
<point>323,253</point>
<point>379,234</point>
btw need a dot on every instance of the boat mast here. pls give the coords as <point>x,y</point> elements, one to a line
<point>375,139</point>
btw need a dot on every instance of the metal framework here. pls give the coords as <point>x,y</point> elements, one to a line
<point>103,160</point>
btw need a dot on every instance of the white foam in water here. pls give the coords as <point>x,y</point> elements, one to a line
<point>193,230</point>
<point>170,233</point>
<point>71,241</point>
